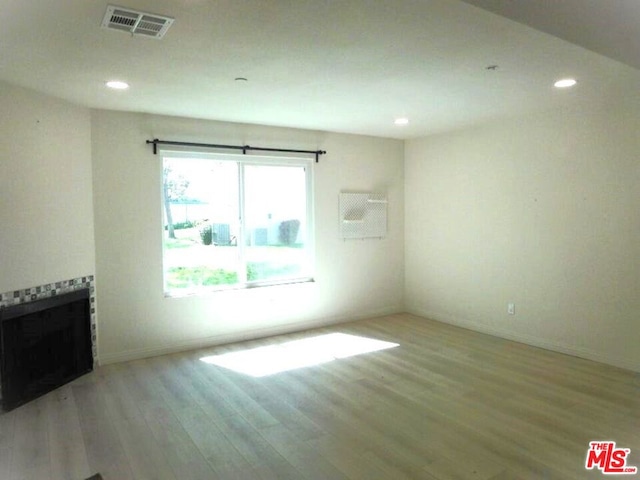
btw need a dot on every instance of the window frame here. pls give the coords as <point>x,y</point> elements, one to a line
<point>242,160</point>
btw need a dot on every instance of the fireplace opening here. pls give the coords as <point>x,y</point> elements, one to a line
<point>43,345</point>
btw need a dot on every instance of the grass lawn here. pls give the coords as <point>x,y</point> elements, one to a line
<point>189,277</point>
<point>190,264</point>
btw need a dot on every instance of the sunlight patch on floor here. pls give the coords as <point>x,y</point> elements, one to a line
<point>263,361</point>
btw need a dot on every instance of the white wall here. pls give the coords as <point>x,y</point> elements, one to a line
<point>354,279</point>
<point>46,209</point>
<point>541,211</point>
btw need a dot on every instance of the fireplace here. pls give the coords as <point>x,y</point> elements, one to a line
<point>44,344</point>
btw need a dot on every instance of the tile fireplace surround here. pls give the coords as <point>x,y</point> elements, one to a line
<point>17,297</point>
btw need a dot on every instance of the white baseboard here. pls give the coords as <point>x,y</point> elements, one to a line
<point>526,339</point>
<point>136,354</point>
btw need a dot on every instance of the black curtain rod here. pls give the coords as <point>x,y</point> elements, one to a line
<point>244,148</point>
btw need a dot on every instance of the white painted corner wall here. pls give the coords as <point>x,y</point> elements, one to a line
<point>541,211</point>
<point>354,279</point>
<point>46,200</point>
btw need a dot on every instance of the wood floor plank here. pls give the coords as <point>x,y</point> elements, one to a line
<point>68,456</point>
<point>247,402</point>
<point>145,455</point>
<point>305,459</point>
<point>7,435</point>
<point>346,419</point>
<point>6,460</point>
<point>200,380</point>
<point>30,459</point>
<point>176,444</point>
<point>105,453</point>
<point>275,405</point>
<point>225,459</point>
<point>265,459</point>
<point>7,428</point>
<point>346,455</point>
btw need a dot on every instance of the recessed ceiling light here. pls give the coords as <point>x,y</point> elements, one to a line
<point>401,121</point>
<point>117,85</point>
<point>241,79</point>
<point>565,83</point>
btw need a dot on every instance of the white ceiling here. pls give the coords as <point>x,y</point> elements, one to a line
<point>345,66</point>
<point>609,27</point>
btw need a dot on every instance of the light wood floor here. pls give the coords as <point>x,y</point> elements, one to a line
<point>447,404</point>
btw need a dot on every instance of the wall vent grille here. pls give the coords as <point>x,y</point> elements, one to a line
<point>135,22</point>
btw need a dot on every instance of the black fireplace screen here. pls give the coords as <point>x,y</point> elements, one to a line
<point>43,345</point>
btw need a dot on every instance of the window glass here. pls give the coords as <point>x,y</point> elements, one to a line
<point>234,223</point>
<point>275,208</point>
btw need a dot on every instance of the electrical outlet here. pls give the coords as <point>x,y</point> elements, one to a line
<point>511,308</point>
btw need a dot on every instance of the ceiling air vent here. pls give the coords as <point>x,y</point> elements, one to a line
<point>135,22</point>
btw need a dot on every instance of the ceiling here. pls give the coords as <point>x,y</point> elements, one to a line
<point>344,66</point>
<point>609,27</point>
